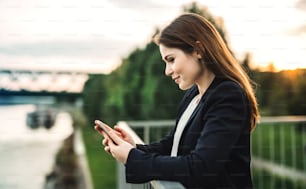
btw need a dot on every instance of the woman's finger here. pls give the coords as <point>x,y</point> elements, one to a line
<point>97,128</point>
<point>105,142</point>
<point>107,149</point>
<point>125,135</point>
<point>115,138</point>
<point>100,130</point>
<point>119,129</point>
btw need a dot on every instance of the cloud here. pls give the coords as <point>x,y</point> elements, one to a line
<point>64,48</point>
<point>135,4</point>
<point>73,64</point>
<point>92,35</point>
<point>151,11</point>
<point>95,35</point>
<point>92,56</point>
<point>301,5</point>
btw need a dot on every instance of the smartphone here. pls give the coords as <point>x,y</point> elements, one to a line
<point>103,127</point>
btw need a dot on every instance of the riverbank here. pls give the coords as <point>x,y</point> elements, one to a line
<point>66,172</point>
<point>70,170</point>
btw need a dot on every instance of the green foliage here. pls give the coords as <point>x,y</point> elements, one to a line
<point>94,95</point>
<point>297,102</point>
<point>281,93</point>
<point>264,89</point>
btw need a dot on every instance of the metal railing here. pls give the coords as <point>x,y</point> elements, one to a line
<point>278,152</point>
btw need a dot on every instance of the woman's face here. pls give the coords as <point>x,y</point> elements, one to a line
<point>183,68</point>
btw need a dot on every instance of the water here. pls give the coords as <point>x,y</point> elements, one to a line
<point>27,155</point>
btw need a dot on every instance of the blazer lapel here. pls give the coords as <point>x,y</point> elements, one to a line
<point>202,102</point>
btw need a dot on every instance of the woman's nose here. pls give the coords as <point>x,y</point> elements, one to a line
<point>168,70</point>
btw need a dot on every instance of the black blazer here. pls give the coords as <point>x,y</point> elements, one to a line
<point>214,149</point>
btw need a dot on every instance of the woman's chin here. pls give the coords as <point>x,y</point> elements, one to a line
<point>184,87</point>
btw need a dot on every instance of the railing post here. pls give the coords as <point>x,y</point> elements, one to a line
<point>146,134</point>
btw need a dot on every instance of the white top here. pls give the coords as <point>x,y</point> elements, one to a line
<point>182,123</point>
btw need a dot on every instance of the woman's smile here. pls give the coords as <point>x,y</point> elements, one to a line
<point>176,79</point>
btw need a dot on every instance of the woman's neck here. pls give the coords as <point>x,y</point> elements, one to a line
<point>205,81</point>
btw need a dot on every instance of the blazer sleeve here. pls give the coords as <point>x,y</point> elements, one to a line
<point>163,147</point>
<point>222,123</point>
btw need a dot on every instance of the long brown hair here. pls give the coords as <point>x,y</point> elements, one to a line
<point>191,32</point>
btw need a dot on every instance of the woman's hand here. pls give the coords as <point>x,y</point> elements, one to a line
<point>119,131</point>
<point>118,144</point>
<point>118,147</point>
<point>125,135</point>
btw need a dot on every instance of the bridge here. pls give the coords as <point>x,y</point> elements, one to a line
<point>34,84</point>
<point>39,82</point>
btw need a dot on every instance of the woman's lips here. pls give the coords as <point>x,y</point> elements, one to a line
<point>176,79</point>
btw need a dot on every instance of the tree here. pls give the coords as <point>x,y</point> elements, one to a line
<point>297,102</point>
<point>94,95</point>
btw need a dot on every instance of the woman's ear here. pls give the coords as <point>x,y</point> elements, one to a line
<point>197,52</point>
<point>198,55</point>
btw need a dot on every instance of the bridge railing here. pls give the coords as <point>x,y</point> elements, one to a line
<point>278,151</point>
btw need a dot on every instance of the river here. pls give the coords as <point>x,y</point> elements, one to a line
<point>27,155</point>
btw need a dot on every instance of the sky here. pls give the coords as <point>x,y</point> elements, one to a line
<point>94,35</point>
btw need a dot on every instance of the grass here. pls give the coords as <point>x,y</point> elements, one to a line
<point>102,165</point>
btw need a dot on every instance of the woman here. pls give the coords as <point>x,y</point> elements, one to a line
<point>210,144</point>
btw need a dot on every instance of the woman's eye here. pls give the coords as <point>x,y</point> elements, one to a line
<point>170,59</point>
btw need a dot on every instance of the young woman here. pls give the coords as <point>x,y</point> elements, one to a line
<point>209,147</point>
